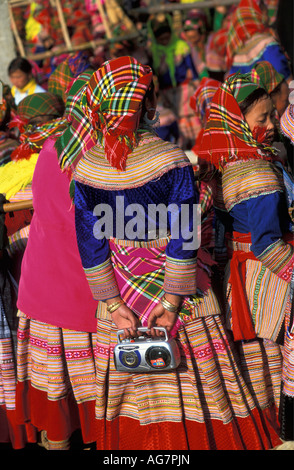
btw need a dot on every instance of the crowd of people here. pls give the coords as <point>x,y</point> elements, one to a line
<point>196,116</point>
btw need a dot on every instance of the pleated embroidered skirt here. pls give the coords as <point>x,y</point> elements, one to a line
<point>55,381</point>
<point>203,404</point>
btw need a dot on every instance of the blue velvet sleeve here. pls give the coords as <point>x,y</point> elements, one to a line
<point>265,217</point>
<point>173,196</point>
<point>93,251</point>
<point>185,221</point>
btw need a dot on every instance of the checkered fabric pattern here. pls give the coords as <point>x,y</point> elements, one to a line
<point>66,72</point>
<point>113,103</point>
<point>40,104</point>
<point>200,101</point>
<point>246,21</point>
<point>33,137</point>
<point>106,106</point>
<point>79,136</point>
<point>266,75</point>
<point>227,136</point>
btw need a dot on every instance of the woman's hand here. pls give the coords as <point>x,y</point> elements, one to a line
<point>162,317</point>
<point>125,319</point>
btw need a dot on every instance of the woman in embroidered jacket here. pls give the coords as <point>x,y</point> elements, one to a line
<point>251,40</point>
<point>287,394</point>
<point>140,279</point>
<point>237,140</point>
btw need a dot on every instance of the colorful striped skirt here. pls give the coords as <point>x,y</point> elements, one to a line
<point>203,404</point>
<point>11,432</point>
<point>55,389</point>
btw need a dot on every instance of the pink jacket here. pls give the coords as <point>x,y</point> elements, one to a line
<point>53,288</point>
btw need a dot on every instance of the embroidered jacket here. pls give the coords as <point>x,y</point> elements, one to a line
<point>254,194</point>
<point>157,172</point>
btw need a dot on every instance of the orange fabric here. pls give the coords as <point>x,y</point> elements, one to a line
<point>59,418</point>
<point>241,434</point>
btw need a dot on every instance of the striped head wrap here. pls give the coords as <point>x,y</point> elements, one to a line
<point>113,104</point>
<point>64,74</point>
<point>227,136</point>
<point>287,123</point>
<point>79,136</point>
<point>106,108</point>
<point>247,20</point>
<point>266,75</point>
<point>200,101</point>
<point>32,137</point>
<point>39,104</point>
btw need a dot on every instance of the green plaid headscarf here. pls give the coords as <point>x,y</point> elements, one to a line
<point>64,74</point>
<point>33,137</point>
<point>242,86</point>
<point>79,136</point>
<point>266,75</point>
<point>39,104</point>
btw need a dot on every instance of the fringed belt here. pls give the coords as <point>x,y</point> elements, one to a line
<point>154,243</point>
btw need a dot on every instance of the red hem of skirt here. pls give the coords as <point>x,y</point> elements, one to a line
<point>255,432</point>
<point>59,418</point>
<point>11,432</point>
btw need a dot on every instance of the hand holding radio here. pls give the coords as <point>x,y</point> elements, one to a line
<point>123,317</point>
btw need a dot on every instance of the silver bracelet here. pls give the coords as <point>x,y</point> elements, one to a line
<point>168,305</point>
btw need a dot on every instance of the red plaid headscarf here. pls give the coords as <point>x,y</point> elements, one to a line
<point>227,136</point>
<point>200,101</point>
<point>113,102</point>
<point>246,21</point>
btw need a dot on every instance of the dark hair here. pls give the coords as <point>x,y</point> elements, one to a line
<point>149,94</point>
<point>276,91</point>
<point>162,30</point>
<point>251,99</point>
<point>20,63</point>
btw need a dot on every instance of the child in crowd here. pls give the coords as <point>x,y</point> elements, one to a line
<point>22,80</point>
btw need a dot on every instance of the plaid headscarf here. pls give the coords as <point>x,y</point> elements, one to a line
<point>113,103</point>
<point>247,20</point>
<point>32,138</point>
<point>64,74</point>
<point>107,109</point>
<point>227,136</point>
<point>39,104</point>
<point>266,75</point>
<point>200,101</point>
<point>79,136</point>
